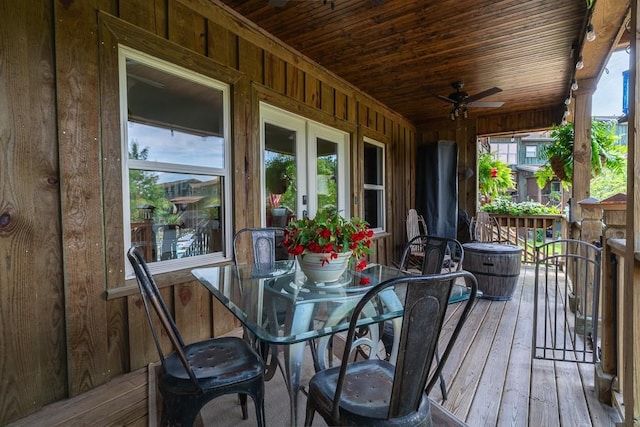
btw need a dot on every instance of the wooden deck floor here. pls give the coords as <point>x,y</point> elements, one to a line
<point>490,376</point>
<point>492,379</point>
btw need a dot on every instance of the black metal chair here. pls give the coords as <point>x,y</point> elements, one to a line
<point>194,374</point>
<point>376,392</point>
<point>262,247</point>
<point>424,255</point>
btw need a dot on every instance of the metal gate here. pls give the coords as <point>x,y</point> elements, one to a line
<point>566,295</point>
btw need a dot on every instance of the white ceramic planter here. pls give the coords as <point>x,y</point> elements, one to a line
<point>311,266</point>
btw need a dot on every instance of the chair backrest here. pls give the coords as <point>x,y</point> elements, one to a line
<point>425,306</point>
<point>435,252</point>
<point>151,297</point>
<point>259,246</point>
<point>485,228</point>
<point>416,225</point>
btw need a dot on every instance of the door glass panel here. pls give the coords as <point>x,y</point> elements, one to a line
<point>280,174</point>
<point>326,173</point>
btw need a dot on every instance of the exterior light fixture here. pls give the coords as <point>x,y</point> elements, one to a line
<point>591,34</point>
<point>580,64</point>
<point>574,85</point>
<point>567,101</point>
<point>459,111</point>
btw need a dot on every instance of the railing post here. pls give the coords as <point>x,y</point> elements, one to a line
<point>615,219</point>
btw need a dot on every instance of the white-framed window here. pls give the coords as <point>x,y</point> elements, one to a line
<point>531,151</point>
<point>175,163</point>
<point>374,186</point>
<point>306,166</point>
<point>505,151</point>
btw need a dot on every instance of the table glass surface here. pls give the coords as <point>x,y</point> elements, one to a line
<point>278,305</point>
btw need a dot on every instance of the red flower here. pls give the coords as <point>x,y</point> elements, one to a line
<point>365,280</point>
<point>296,250</point>
<point>356,237</point>
<point>361,265</point>
<point>325,234</point>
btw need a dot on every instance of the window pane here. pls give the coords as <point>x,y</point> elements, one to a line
<point>175,215</point>
<point>158,144</point>
<point>530,151</point>
<point>374,185</point>
<point>280,174</point>
<point>372,208</point>
<point>326,173</point>
<point>176,119</point>
<point>372,164</point>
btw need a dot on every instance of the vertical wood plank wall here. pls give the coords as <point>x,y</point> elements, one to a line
<point>33,367</point>
<point>61,180</point>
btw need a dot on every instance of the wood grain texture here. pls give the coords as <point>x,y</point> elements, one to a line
<point>32,346</point>
<point>77,83</point>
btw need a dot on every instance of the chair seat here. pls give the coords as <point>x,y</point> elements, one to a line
<point>364,402</point>
<point>217,363</point>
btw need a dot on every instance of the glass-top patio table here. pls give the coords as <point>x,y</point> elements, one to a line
<point>280,307</point>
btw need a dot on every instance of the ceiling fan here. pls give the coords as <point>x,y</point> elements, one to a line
<point>462,100</point>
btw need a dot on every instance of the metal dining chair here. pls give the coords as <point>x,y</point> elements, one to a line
<point>378,392</point>
<point>194,374</point>
<point>424,255</point>
<point>262,247</point>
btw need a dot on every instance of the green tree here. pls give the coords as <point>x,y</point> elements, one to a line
<point>493,186</point>
<point>144,188</point>
<point>609,182</point>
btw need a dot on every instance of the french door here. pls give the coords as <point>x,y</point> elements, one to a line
<point>305,167</point>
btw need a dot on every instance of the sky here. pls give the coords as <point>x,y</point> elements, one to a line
<point>607,99</point>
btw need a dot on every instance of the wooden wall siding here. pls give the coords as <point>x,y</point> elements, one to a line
<point>31,287</point>
<point>80,257</point>
<point>77,84</point>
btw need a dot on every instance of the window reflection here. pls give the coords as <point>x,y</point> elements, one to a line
<point>185,217</point>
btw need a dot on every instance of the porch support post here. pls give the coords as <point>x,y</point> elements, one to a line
<point>631,333</point>
<point>582,146</point>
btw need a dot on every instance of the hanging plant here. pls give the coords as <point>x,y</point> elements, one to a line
<point>494,176</point>
<point>605,154</point>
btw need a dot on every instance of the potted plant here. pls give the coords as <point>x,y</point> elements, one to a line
<point>328,242</point>
<point>494,176</point>
<point>605,154</point>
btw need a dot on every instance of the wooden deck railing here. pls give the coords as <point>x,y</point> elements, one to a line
<point>529,231</point>
<point>614,341</point>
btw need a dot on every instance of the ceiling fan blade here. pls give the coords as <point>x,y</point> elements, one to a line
<point>485,104</point>
<point>484,94</point>
<point>444,98</point>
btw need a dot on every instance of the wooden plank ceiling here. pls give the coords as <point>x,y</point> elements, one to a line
<point>405,52</point>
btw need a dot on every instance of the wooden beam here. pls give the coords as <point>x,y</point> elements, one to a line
<point>524,121</point>
<point>582,146</point>
<point>631,293</point>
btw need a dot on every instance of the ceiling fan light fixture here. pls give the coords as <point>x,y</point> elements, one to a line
<point>591,34</point>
